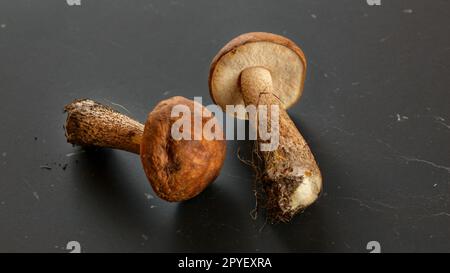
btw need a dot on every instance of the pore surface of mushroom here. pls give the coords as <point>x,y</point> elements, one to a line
<point>177,169</point>
<point>267,69</point>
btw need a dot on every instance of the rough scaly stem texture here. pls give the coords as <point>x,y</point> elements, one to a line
<point>92,124</point>
<point>291,179</point>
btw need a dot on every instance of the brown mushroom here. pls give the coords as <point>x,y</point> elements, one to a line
<point>177,169</point>
<point>267,69</point>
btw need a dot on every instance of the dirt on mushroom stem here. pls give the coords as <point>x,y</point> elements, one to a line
<point>273,186</point>
<point>279,173</point>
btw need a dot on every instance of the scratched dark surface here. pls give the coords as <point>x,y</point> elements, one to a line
<point>375,112</point>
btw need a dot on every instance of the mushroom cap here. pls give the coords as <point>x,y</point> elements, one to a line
<point>179,169</point>
<point>282,57</point>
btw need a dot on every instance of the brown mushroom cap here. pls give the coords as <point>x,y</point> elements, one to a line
<point>282,57</point>
<point>178,169</point>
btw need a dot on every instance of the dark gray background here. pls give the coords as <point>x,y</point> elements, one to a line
<point>375,111</point>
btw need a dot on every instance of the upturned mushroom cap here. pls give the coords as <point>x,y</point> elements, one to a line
<point>179,169</point>
<point>282,57</point>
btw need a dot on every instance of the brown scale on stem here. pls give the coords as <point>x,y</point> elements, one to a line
<point>90,123</point>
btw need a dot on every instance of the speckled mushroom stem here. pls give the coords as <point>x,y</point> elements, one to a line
<point>287,168</point>
<point>90,123</point>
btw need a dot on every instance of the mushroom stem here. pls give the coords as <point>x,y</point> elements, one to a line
<point>291,177</point>
<point>255,82</point>
<point>90,123</point>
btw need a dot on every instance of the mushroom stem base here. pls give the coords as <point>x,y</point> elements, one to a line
<point>90,123</point>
